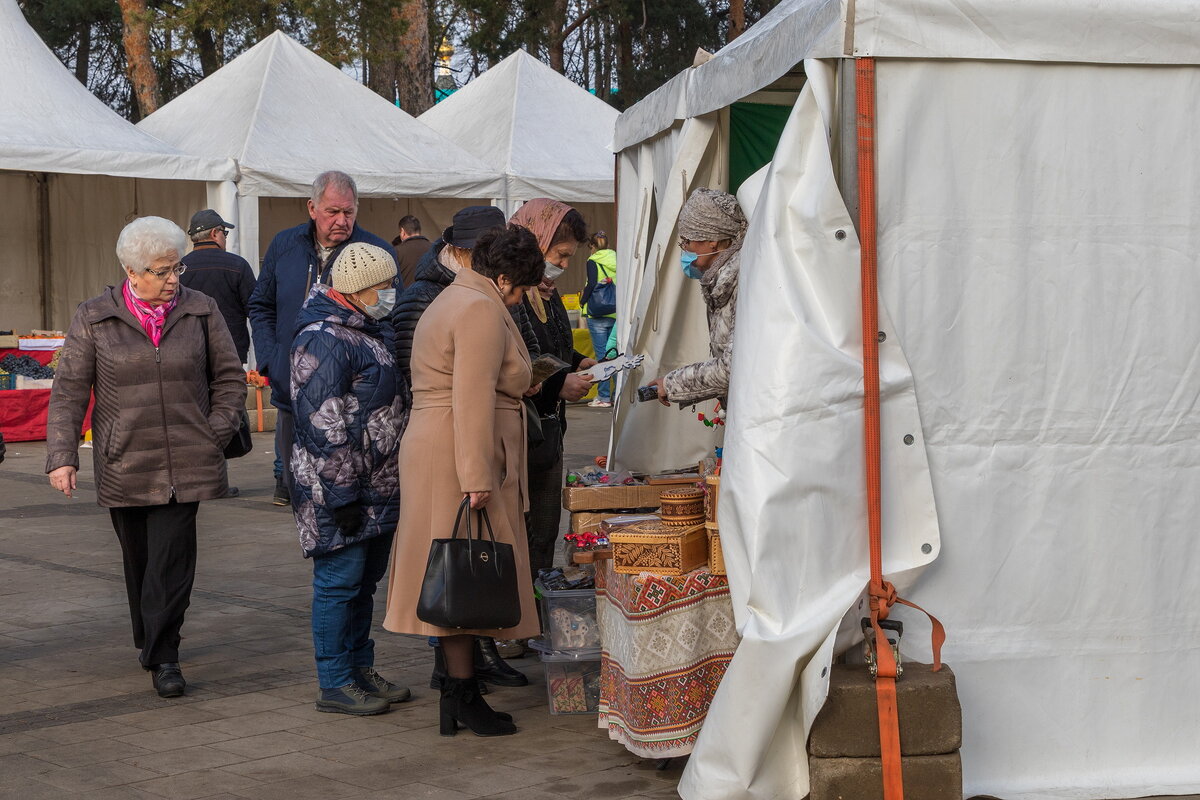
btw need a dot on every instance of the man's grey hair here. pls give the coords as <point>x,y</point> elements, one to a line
<point>203,236</point>
<point>149,238</point>
<point>337,180</point>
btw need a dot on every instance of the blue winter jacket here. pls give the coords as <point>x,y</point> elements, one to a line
<point>289,270</point>
<point>348,413</point>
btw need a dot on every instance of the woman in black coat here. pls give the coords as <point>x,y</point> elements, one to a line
<point>560,230</point>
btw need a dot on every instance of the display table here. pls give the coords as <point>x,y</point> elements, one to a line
<point>23,412</point>
<point>666,644</point>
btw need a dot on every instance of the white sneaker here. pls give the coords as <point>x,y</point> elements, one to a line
<point>598,403</point>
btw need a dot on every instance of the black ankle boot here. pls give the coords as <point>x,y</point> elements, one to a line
<point>439,672</point>
<point>490,667</point>
<point>461,702</point>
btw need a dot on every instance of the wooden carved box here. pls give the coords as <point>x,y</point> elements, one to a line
<point>658,548</point>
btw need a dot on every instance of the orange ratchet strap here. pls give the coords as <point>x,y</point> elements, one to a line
<point>881,593</point>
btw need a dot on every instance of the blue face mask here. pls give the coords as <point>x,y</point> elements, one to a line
<point>687,260</point>
<point>383,306</point>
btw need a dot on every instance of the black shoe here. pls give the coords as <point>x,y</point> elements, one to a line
<point>232,491</point>
<point>490,667</point>
<point>438,677</point>
<point>168,679</point>
<point>376,685</point>
<point>461,702</point>
<point>282,496</point>
<point>350,699</point>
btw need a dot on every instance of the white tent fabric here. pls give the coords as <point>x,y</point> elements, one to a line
<point>1113,32</point>
<point>793,485</point>
<point>50,122</point>
<point>547,135</point>
<point>1037,268</point>
<point>286,115</point>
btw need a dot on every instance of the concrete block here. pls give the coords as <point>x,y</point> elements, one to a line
<point>848,725</point>
<point>925,778</point>
<point>270,413</point>
<point>250,403</point>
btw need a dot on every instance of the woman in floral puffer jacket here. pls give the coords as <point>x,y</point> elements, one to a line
<point>348,413</point>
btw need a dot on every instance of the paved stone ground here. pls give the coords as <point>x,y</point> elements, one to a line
<point>78,717</point>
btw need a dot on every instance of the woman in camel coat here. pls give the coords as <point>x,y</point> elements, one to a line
<point>466,437</point>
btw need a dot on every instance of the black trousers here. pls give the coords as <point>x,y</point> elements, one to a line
<point>158,545</point>
<point>545,512</point>
<point>285,432</point>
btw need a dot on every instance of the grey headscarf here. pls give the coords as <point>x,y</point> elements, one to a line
<point>710,216</point>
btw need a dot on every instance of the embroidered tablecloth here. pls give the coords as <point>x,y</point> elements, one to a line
<point>666,643</point>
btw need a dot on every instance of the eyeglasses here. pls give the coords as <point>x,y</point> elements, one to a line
<point>178,270</point>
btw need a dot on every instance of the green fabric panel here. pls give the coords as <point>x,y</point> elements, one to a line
<point>754,131</point>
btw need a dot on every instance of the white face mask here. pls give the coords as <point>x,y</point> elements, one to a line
<point>383,306</point>
<point>553,271</point>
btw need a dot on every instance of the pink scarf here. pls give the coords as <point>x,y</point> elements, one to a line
<point>152,318</point>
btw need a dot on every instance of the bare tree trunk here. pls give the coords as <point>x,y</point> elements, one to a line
<point>737,18</point>
<point>83,53</point>
<point>138,58</point>
<point>555,39</point>
<point>414,67</point>
<point>206,44</point>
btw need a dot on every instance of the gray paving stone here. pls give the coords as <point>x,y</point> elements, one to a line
<point>96,776</point>
<point>196,784</point>
<point>185,759</point>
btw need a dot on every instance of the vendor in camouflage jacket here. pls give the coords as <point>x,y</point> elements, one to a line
<point>711,229</point>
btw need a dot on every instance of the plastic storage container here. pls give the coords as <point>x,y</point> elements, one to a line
<point>569,618</point>
<point>572,682</point>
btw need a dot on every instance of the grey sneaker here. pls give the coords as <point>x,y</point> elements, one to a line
<point>376,685</point>
<point>350,699</point>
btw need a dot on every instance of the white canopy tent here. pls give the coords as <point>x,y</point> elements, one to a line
<point>547,135</point>
<point>286,115</point>
<point>72,173</point>
<point>1037,209</point>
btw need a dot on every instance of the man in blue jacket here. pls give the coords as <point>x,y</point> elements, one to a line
<point>296,259</point>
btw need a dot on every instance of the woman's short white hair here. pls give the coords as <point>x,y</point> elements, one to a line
<point>149,238</point>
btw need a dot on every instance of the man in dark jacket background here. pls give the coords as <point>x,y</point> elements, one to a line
<point>225,277</point>
<point>411,247</point>
<point>296,259</point>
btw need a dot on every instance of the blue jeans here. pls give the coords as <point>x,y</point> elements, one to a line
<point>343,600</point>
<point>600,328</point>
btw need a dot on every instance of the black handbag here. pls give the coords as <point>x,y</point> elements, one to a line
<point>470,582</point>
<point>241,444</point>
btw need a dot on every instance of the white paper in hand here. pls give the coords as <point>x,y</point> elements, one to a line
<point>606,369</point>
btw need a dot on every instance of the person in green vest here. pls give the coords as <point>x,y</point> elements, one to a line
<point>599,303</point>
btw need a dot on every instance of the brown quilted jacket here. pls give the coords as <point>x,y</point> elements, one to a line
<point>158,428</point>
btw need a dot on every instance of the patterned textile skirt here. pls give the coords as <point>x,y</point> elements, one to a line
<point>667,642</point>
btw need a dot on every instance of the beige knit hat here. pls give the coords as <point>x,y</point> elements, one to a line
<point>360,266</point>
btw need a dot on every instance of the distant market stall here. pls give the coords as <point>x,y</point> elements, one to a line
<point>1036,218</point>
<point>72,173</point>
<point>548,136</point>
<point>286,115</point>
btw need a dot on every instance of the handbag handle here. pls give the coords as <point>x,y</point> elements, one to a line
<point>465,506</point>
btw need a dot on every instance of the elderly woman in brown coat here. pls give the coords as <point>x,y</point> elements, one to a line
<point>465,437</point>
<point>168,388</point>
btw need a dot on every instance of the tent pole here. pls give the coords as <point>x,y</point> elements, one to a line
<point>43,244</point>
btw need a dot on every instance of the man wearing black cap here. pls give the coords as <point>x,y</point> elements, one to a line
<point>223,276</point>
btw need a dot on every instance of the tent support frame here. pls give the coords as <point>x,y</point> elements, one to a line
<point>43,245</point>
